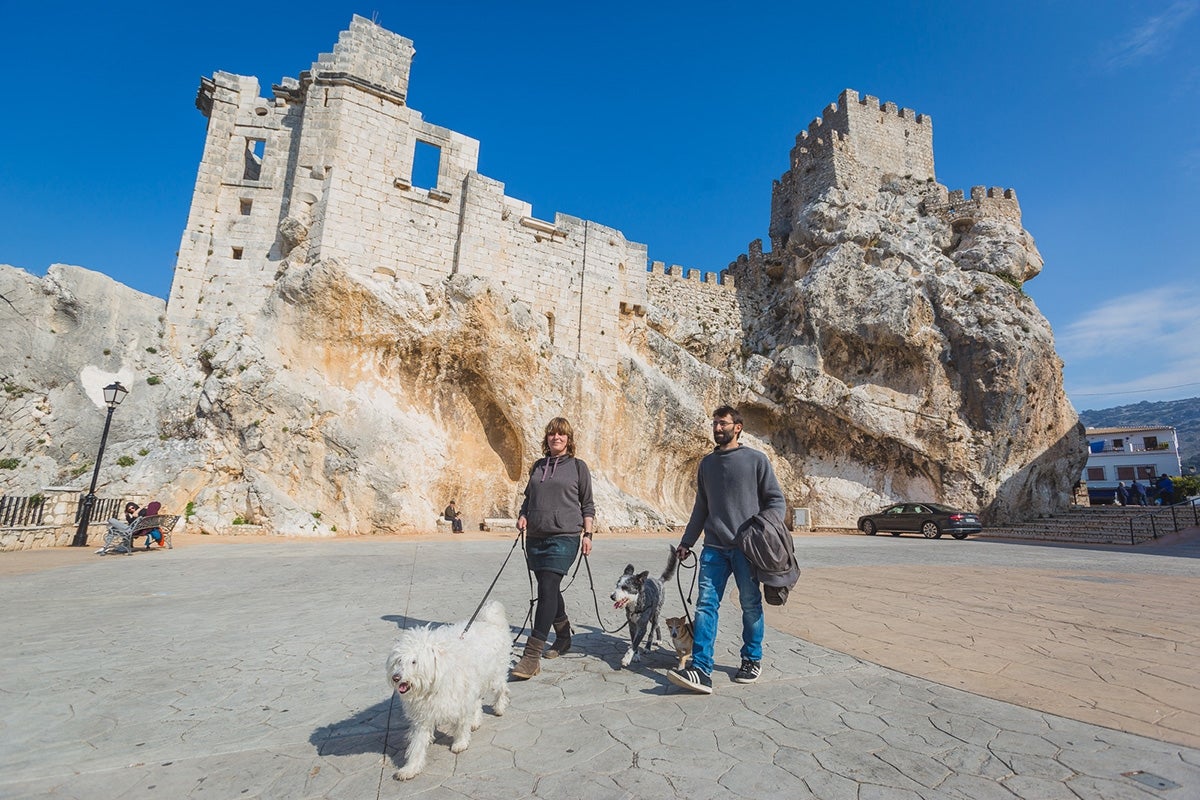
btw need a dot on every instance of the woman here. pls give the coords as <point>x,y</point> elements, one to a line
<point>558,514</point>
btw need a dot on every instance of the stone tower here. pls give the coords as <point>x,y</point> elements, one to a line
<point>853,145</point>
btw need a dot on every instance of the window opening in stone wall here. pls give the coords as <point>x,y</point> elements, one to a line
<point>1095,473</point>
<point>246,205</point>
<point>237,254</point>
<point>550,324</point>
<point>427,159</point>
<point>255,148</point>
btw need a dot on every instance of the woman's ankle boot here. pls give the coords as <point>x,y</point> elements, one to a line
<point>562,638</point>
<point>531,660</point>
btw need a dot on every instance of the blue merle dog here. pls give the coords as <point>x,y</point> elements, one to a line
<point>642,598</point>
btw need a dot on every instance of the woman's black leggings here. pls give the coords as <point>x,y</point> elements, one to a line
<point>550,605</point>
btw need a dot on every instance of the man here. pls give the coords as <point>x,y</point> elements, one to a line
<point>734,484</point>
<point>1166,489</point>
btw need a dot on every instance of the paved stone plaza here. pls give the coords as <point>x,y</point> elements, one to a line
<point>256,670</point>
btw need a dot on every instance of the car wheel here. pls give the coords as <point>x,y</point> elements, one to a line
<point>869,528</point>
<point>930,530</point>
<point>959,534</point>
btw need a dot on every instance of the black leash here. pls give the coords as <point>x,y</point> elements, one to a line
<point>581,562</point>
<point>519,539</point>
<point>687,601</point>
<point>596,598</point>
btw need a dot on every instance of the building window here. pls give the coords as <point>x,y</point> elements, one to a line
<point>550,324</point>
<point>237,254</point>
<point>427,159</point>
<point>1151,442</point>
<point>1095,473</point>
<point>1145,473</point>
<point>255,149</point>
<point>1118,444</point>
<point>1125,473</point>
<point>246,205</point>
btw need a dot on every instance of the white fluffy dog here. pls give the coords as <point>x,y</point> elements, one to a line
<point>442,677</point>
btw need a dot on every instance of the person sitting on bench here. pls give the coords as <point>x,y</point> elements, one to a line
<point>151,534</point>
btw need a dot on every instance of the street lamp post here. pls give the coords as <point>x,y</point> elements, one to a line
<point>114,393</point>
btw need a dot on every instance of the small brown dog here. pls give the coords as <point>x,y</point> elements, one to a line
<point>681,638</point>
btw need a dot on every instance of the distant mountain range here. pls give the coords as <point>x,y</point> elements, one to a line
<point>1182,415</point>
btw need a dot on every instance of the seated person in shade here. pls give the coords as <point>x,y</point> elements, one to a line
<point>454,517</point>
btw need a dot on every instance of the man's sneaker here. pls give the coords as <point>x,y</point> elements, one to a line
<point>748,672</point>
<point>691,679</point>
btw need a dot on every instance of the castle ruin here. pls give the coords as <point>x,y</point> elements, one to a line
<point>324,169</point>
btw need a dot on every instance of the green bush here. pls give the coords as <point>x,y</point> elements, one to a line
<point>190,510</point>
<point>143,452</point>
<point>151,350</point>
<point>240,520</point>
<point>1186,486</point>
<point>9,463</point>
<point>154,380</point>
<point>126,461</point>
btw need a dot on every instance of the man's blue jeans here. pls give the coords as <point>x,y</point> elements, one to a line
<point>715,568</point>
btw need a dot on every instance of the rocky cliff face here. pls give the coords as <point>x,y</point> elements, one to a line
<point>882,354</point>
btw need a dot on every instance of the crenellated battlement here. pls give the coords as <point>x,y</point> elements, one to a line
<point>722,279</point>
<point>835,118</point>
<point>956,206</point>
<point>854,146</point>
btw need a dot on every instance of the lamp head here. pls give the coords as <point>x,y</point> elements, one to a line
<point>114,393</point>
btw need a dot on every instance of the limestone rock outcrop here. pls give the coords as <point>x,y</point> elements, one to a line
<point>881,355</point>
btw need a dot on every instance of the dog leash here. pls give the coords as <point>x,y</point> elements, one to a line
<point>687,601</point>
<point>596,598</point>
<point>519,539</point>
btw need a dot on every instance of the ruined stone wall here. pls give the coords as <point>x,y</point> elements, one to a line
<point>334,180</point>
<point>983,203</point>
<point>689,295</point>
<point>324,169</point>
<point>225,256</point>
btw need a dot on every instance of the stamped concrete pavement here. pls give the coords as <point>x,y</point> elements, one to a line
<point>256,670</point>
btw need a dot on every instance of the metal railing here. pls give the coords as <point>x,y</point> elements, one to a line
<point>1182,515</point>
<point>104,509</point>
<point>21,512</point>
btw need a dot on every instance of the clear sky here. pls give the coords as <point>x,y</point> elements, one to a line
<point>668,121</point>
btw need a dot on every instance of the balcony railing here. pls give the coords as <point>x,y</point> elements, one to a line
<point>1161,447</point>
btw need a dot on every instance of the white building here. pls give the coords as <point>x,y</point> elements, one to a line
<point>1128,454</point>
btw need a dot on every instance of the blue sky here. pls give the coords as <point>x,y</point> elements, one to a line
<point>668,121</point>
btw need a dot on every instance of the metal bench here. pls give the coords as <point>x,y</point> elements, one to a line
<point>120,539</point>
<point>164,522</point>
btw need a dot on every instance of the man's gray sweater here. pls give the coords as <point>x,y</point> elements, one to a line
<point>731,487</point>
